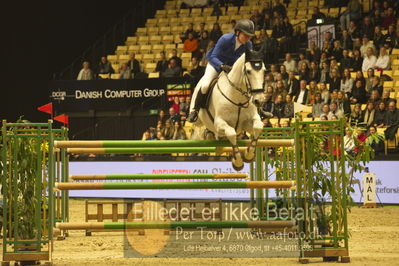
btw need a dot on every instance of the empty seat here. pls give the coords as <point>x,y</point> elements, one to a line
<point>121,49</point>
<point>196,12</point>
<point>211,19</point>
<point>198,19</point>
<point>224,19</point>
<point>143,40</point>
<point>162,22</point>
<point>115,76</point>
<point>207,11</point>
<point>174,22</point>
<point>167,39</point>
<point>156,48</point>
<point>184,13</point>
<point>115,67</point>
<point>112,58</point>
<point>145,49</point>
<point>151,22</point>
<point>164,30</point>
<point>133,49</point>
<point>186,20</point>
<point>155,39</point>
<point>131,40</point>
<point>160,13</point>
<point>150,67</point>
<point>141,31</point>
<point>123,58</point>
<point>153,75</point>
<point>177,29</point>
<point>169,48</point>
<point>152,31</point>
<point>172,13</point>
<point>231,10</point>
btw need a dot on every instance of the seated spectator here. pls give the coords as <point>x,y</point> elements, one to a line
<point>375,86</point>
<point>173,115</point>
<point>216,10</point>
<point>317,107</point>
<point>176,58</point>
<point>357,60</point>
<point>269,81</point>
<point>147,135</point>
<point>391,121</point>
<point>304,72</point>
<point>343,103</point>
<point>288,107</point>
<point>336,52</point>
<point>190,29</point>
<point>356,115</point>
<point>267,21</point>
<point>274,71</point>
<point>303,60</point>
<point>367,27</point>
<point>85,73</point>
<point>162,64</point>
<point>289,63</point>
<point>376,143</point>
<point>160,136</point>
<point>317,14</point>
<point>334,111</point>
<point>179,133</point>
<point>168,130</point>
<point>366,45</point>
<point>312,91</point>
<point>314,73</point>
<point>334,96</point>
<point>325,111</point>
<point>368,114</point>
<point>216,33</point>
<point>347,82</point>
<point>173,70</point>
<point>358,94</point>
<point>346,40</point>
<point>134,65</point>
<point>389,18</point>
<point>345,61</point>
<point>202,29</point>
<point>280,89</point>
<point>349,141</point>
<point>162,116</point>
<point>191,45</point>
<point>124,72</point>
<point>256,18</point>
<point>105,67</point>
<point>392,38</point>
<point>176,105</point>
<point>268,107</point>
<point>376,17</point>
<point>383,60</point>
<point>379,115</point>
<point>369,60</point>
<point>279,9</point>
<point>325,73</point>
<point>353,12</point>
<point>284,73</point>
<point>292,84</point>
<point>278,30</point>
<point>302,95</point>
<point>354,31</point>
<point>159,126</point>
<point>279,105</point>
<point>286,40</point>
<point>203,43</point>
<point>369,80</point>
<point>386,97</point>
<point>325,93</point>
<point>361,137</point>
<point>185,107</point>
<point>335,81</point>
<point>326,48</point>
<point>378,38</point>
<point>196,71</point>
<point>313,53</point>
<point>258,40</point>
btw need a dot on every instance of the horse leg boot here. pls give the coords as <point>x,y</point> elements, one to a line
<point>257,128</point>
<point>223,128</point>
<point>199,102</point>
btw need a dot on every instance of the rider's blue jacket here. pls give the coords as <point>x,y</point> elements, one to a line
<point>223,52</point>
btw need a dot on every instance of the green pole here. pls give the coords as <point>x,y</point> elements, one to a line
<point>150,150</point>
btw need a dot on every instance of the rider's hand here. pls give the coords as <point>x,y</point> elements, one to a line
<point>226,68</point>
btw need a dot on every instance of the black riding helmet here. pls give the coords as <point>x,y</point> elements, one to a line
<point>246,26</point>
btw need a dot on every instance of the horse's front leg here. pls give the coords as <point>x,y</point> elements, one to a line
<point>255,127</point>
<point>223,128</point>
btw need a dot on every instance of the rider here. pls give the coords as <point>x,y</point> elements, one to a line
<point>221,57</point>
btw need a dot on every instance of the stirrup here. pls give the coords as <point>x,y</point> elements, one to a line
<point>193,116</point>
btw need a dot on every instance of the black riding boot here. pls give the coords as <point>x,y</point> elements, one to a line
<point>199,101</point>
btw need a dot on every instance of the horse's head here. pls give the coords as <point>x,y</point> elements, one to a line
<point>254,71</point>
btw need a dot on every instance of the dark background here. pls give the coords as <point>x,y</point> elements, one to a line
<point>43,37</point>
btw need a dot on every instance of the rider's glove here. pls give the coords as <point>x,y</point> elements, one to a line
<point>226,68</point>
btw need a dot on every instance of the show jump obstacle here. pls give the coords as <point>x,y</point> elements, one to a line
<point>292,156</point>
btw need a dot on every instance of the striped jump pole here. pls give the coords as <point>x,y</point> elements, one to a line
<point>174,225</point>
<point>175,185</point>
<point>160,176</point>
<point>168,143</point>
<point>150,150</point>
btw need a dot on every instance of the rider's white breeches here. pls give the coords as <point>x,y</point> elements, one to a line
<point>209,75</point>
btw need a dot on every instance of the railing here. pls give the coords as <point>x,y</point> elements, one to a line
<point>116,35</point>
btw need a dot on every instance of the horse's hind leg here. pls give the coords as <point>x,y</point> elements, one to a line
<point>255,127</point>
<point>223,128</point>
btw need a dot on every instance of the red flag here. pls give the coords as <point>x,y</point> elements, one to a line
<point>62,118</point>
<point>47,108</point>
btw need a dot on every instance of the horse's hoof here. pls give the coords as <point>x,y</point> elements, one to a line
<point>248,157</point>
<point>238,164</point>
